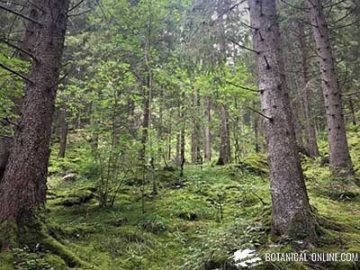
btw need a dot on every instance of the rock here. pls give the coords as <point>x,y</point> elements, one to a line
<point>188,216</point>
<point>118,222</point>
<point>71,177</point>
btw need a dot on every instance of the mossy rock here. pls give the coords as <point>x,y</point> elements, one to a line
<point>77,198</point>
<point>344,195</point>
<point>190,216</point>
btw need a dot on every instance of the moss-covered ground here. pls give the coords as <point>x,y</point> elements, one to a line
<point>197,224</point>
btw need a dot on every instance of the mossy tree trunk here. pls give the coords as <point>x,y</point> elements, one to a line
<point>291,213</point>
<point>340,160</point>
<point>23,188</point>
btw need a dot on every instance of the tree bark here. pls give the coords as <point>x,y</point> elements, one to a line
<point>340,160</point>
<point>5,146</point>
<point>352,111</point>
<point>291,214</point>
<point>195,140</point>
<point>224,154</point>
<point>23,188</point>
<point>310,134</point>
<point>207,128</point>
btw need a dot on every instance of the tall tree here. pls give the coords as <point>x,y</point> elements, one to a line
<point>291,213</point>
<point>340,160</point>
<point>23,188</point>
<point>309,123</point>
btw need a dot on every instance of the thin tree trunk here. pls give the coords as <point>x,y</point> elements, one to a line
<point>340,160</point>
<point>23,188</point>
<point>5,146</point>
<point>208,105</point>
<point>195,140</point>
<point>224,155</point>
<point>146,118</point>
<point>352,111</point>
<point>310,134</point>
<point>256,132</point>
<point>291,214</point>
<point>64,127</point>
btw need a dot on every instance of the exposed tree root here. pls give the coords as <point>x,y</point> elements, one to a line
<point>35,236</point>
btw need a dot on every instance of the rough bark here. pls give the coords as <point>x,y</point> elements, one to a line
<point>224,154</point>
<point>309,124</point>
<point>5,146</point>
<point>340,160</point>
<point>291,214</point>
<point>23,188</point>
<point>207,151</point>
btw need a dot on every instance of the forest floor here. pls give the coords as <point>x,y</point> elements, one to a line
<point>195,224</point>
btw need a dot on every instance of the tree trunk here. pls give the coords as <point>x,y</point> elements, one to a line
<point>207,128</point>
<point>352,111</point>
<point>224,155</point>
<point>340,160</point>
<point>23,188</point>
<point>5,146</point>
<point>146,117</point>
<point>63,132</point>
<point>256,132</point>
<point>291,214</point>
<point>196,157</point>
<point>310,134</point>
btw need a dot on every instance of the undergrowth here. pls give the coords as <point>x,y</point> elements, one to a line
<point>196,225</point>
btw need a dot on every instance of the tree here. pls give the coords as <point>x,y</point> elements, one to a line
<point>305,92</point>
<point>23,188</point>
<point>291,213</point>
<point>340,160</point>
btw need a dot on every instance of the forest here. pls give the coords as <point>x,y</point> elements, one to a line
<point>179,134</point>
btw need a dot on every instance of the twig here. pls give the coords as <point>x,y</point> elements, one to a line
<point>242,87</point>
<point>75,6</point>
<point>260,113</point>
<point>241,46</point>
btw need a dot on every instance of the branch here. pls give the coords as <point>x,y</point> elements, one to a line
<point>260,113</point>
<point>20,15</point>
<point>242,87</point>
<point>241,46</point>
<point>80,13</point>
<point>226,11</point>
<point>334,4</point>
<point>75,6</point>
<point>16,73</point>
<point>19,49</point>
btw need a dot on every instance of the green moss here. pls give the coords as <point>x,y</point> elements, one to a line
<point>6,259</point>
<point>8,235</point>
